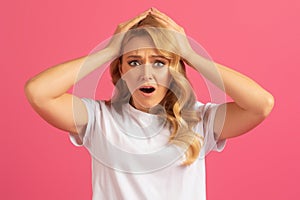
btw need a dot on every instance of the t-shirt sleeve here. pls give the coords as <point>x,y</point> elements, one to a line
<point>211,142</point>
<point>92,108</point>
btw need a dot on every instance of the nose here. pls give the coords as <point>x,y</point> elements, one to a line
<point>147,72</point>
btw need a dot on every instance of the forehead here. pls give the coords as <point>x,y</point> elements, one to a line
<point>138,44</point>
<point>142,53</point>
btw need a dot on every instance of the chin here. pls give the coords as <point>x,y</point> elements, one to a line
<point>145,102</point>
<point>145,105</point>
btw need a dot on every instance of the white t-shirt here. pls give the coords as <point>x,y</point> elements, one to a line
<point>131,157</point>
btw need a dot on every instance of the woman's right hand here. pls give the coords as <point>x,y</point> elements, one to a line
<point>54,104</point>
<point>115,43</point>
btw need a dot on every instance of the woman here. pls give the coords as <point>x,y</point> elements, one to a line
<point>148,140</point>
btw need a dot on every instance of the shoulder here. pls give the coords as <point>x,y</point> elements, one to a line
<point>206,108</point>
<point>103,109</point>
<point>207,113</point>
<point>94,103</point>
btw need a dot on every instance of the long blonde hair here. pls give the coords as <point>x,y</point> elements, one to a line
<point>179,101</point>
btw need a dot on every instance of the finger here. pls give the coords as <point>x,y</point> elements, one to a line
<point>159,14</point>
<point>136,19</point>
<point>168,23</point>
<point>125,26</point>
<point>163,21</point>
<point>167,20</point>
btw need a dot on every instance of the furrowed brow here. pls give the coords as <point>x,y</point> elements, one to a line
<point>134,56</point>
<point>158,56</point>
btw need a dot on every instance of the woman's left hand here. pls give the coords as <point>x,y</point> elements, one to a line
<point>184,48</point>
<point>232,118</point>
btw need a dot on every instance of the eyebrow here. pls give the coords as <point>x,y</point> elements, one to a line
<point>153,56</point>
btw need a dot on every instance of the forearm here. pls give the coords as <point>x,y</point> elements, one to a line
<point>58,79</point>
<point>246,93</point>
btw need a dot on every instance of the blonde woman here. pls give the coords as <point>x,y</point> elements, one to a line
<point>150,140</point>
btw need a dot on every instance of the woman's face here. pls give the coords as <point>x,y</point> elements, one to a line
<point>146,73</point>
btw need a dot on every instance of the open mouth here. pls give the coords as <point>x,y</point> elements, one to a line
<point>147,89</point>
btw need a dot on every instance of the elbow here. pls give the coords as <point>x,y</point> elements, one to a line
<point>29,91</point>
<point>32,92</point>
<point>267,106</point>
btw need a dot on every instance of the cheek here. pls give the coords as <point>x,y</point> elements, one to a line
<point>126,72</point>
<point>130,76</point>
<point>163,77</point>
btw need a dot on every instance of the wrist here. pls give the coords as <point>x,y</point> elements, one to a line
<point>189,57</point>
<point>109,53</point>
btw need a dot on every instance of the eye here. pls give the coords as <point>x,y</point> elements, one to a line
<point>134,63</point>
<point>159,63</point>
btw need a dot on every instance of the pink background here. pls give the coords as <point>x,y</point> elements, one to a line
<point>258,38</point>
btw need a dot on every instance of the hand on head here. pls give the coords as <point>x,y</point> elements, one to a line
<point>154,13</point>
<point>151,18</point>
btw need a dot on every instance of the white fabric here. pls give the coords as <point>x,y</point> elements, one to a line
<point>132,160</point>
